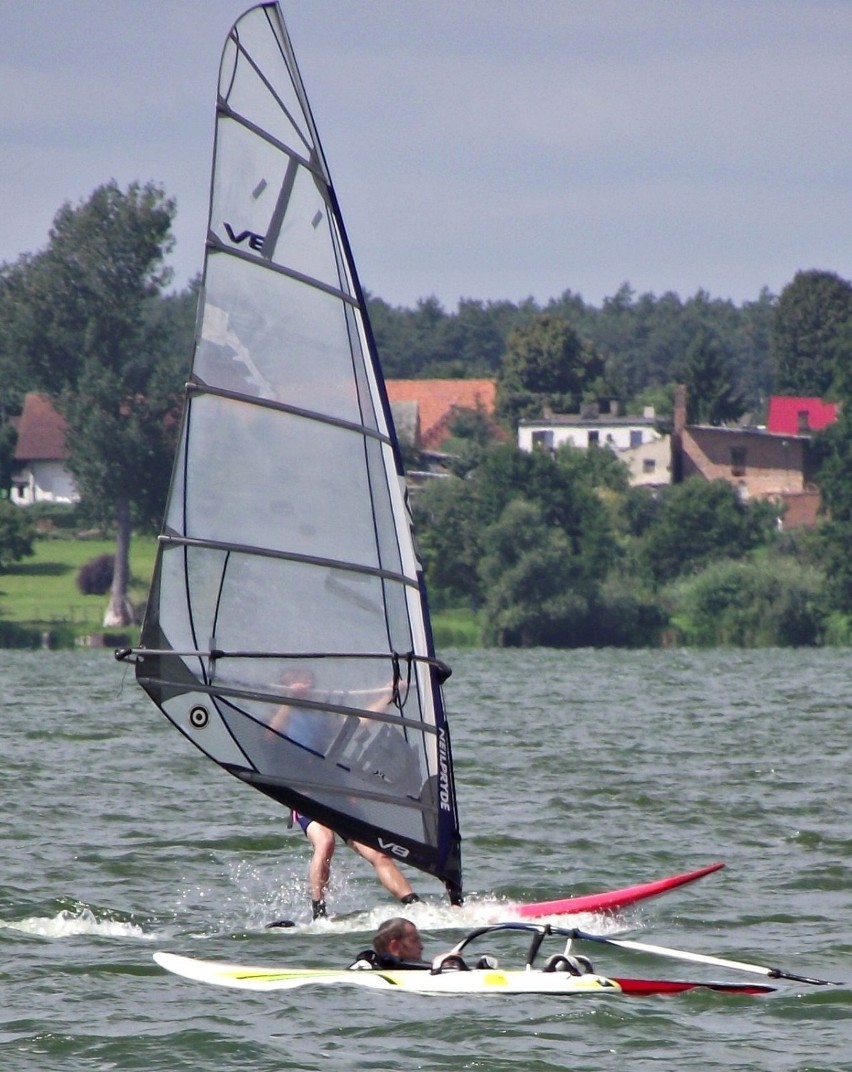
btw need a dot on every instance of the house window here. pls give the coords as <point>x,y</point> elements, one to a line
<point>649,465</point>
<point>543,440</point>
<point>738,461</point>
<point>635,437</point>
<point>594,438</point>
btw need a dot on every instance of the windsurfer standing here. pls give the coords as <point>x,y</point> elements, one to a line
<point>323,838</point>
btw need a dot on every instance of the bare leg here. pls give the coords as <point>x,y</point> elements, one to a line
<point>319,869</point>
<point>388,873</point>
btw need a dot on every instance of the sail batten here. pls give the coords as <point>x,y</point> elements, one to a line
<point>226,692</point>
<point>216,245</point>
<point>198,387</point>
<point>287,633</point>
<point>271,552</point>
<point>304,787</point>
<point>226,111</point>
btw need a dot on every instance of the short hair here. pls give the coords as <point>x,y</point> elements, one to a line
<point>389,931</point>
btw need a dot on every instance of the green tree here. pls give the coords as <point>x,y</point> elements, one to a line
<point>8,439</point>
<point>644,338</point>
<point>834,538</point>
<point>449,540</point>
<point>750,338</point>
<point>625,614</point>
<point>537,590</point>
<point>409,340</point>
<point>774,601</point>
<point>476,336</point>
<point>547,365</point>
<point>841,387</point>
<point>84,316</point>
<point>707,372</point>
<point>834,449</point>
<point>700,521</point>
<point>453,517</point>
<point>595,468</point>
<point>17,534</point>
<point>472,433</point>
<point>810,317</point>
<point>641,339</point>
<point>659,397</point>
<point>566,502</point>
<point>20,367</point>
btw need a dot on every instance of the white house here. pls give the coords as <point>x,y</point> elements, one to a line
<point>650,463</point>
<point>635,440</point>
<point>40,473</point>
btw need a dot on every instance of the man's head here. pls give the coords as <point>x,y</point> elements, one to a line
<point>400,938</point>
<point>297,680</point>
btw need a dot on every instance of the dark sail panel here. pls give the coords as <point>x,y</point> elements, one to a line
<point>287,634</point>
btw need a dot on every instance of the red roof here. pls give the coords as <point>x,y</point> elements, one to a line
<point>41,431</point>
<point>789,415</point>
<point>437,398</point>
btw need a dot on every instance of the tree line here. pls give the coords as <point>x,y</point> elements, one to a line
<point>556,551</point>
<point>642,341</point>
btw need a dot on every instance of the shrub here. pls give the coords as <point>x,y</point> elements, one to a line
<point>48,516</point>
<point>13,635</point>
<point>625,615</point>
<point>773,602</point>
<point>17,534</point>
<point>95,577</point>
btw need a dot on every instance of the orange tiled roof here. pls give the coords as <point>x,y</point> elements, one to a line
<point>436,398</point>
<point>41,431</point>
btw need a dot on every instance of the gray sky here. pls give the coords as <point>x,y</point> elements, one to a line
<point>480,148</point>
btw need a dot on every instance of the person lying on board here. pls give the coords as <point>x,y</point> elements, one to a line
<point>396,944</point>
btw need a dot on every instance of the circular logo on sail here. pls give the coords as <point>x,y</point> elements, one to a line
<point>198,717</point>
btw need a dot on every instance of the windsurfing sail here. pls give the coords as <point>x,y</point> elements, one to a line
<point>287,633</point>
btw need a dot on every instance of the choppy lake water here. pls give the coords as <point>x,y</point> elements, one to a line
<point>577,771</point>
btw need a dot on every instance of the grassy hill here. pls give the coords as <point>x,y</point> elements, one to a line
<point>39,595</point>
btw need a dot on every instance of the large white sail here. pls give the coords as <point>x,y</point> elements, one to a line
<point>287,634</point>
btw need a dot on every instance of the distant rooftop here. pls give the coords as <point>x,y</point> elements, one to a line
<point>575,420</point>
<point>436,399</point>
<point>41,431</point>
<point>795,415</point>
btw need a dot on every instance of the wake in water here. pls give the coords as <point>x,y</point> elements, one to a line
<point>429,917</point>
<point>439,916</point>
<point>258,894</point>
<point>255,894</point>
<point>81,919</point>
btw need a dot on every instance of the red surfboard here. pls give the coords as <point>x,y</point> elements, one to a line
<point>644,987</point>
<point>610,900</point>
